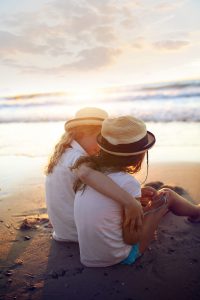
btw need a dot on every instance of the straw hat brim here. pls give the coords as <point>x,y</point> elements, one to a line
<point>83,122</point>
<point>127,149</point>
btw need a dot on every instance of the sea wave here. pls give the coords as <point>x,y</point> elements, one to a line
<point>159,103</point>
<point>153,111</point>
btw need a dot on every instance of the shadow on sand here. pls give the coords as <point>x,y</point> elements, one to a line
<point>52,270</point>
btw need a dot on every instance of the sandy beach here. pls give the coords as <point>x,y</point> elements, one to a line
<point>33,266</point>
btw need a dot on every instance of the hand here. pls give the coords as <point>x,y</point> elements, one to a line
<point>145,201</point>
<point>149,192</point>
<point>159,201</point>
<point>162,196</point>
<point>133,216</point>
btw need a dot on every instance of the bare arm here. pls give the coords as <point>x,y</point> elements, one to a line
<point>106,186</point>
<point>133,236</point>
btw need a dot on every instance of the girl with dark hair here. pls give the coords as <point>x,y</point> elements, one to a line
<point>104,238</point>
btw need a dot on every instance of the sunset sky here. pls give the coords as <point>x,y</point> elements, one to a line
<point>80,45</point>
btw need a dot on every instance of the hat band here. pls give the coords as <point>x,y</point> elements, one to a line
<point>83,119</point>
<point>123,154</point>
<point>124,148</point>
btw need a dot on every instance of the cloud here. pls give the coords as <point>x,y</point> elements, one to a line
<point>103,7</point>
<point>12,43</point>
<point>129,17</point>
<point>78,16</point>
<point>139,43</point>
<point>130,23</point>
<point>96,58</point>
<point>177,35</point>
<point>83,35</point>
<point>166,6</point>
<point>61,29</point>
<point>9,62</point>
<point>105,34</point>
<point>87,60</point>
<point>64,26</point>
<point>37,40</point>
<point>170,44</point>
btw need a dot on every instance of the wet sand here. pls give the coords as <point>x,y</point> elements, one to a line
<point>33,266</point>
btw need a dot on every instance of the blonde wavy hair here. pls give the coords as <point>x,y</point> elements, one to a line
<point>64,143</point>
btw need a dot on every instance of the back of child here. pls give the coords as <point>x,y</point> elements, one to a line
<point>123,142</point>
<point>60,179</point>
<point>104,238</point>
<point>99,223</point>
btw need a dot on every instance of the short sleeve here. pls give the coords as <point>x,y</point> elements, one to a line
<point>132,186</point>
<point>70,157</point>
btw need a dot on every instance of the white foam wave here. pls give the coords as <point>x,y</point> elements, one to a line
<point>159,103</point>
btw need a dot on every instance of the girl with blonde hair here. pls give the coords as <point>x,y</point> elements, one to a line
<point>79,139</point>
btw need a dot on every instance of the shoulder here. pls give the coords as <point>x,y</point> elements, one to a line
<point>70,156</point>
<point>128,182</point>
<point>123,178</point>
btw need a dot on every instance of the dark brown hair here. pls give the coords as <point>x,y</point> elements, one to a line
<point>108,163</point>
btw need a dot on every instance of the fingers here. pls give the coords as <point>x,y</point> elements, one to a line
<point>127,221</point>
<point>133,218</point>
<point>132,225</point>
<point>144,201</point>
<point>148,191</point>
<point>136,223</point>
<point>139,222</point>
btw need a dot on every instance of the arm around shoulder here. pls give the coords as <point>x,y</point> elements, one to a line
<point>104,185</point>
<point>83,173</point>
<point>133,212</point>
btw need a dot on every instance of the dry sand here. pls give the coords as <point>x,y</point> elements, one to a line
<point>33,266</point>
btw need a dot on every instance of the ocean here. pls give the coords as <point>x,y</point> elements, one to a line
<point>153,103</point>
<point>30,125</point>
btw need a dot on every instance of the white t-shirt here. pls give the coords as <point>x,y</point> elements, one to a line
<point>99,223</point>
<point>60,195</point>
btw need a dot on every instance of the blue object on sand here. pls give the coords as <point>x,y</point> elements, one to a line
<point>133,255</point>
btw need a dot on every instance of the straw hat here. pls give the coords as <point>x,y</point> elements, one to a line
<point>125,136</point>
<point>87,116</point>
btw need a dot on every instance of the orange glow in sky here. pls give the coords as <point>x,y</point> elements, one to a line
<point>80,46</point>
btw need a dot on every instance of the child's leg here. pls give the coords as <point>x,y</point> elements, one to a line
<point>179,205</point>
<point>150,224</point>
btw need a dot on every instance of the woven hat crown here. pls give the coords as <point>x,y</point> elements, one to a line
<point>123,130</point>
<point>91,112</point>
<point>87,116</point>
